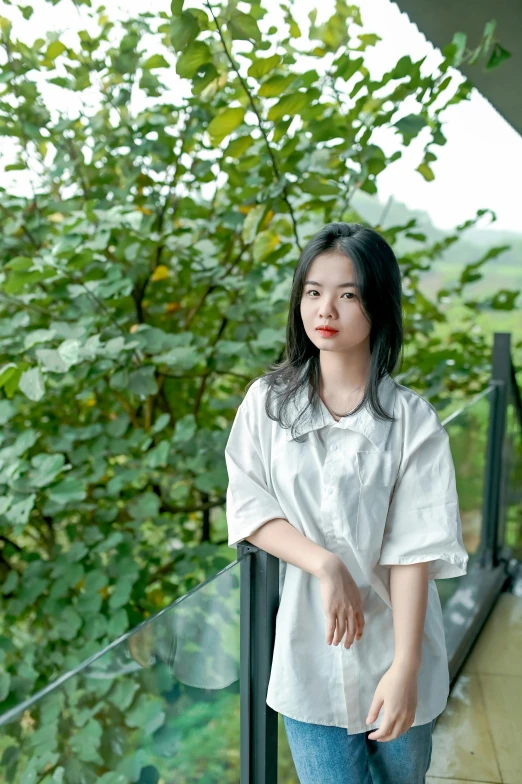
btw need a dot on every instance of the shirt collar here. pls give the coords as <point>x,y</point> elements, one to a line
<point>376,430</point>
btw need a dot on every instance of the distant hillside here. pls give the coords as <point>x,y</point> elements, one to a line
<point>503,272</point>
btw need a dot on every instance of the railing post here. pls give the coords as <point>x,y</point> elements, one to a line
<point>500,378</point>
<point>259,602</point>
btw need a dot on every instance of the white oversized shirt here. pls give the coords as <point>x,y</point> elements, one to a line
<point>376,493</point>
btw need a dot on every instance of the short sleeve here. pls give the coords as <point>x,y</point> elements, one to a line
<point>423,521</point>
<point>249,503</point>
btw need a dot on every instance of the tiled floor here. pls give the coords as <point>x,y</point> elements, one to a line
<point>478,737</point>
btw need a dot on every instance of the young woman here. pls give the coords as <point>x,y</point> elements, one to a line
<point>347,477</point>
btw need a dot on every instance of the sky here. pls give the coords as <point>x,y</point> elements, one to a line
<point>480,166</point>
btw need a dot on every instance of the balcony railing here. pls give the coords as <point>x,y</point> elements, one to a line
<point>181,698</point>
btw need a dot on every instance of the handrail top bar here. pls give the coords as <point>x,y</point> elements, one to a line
<point>494,383</point>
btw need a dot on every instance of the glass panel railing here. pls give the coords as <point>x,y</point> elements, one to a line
<point>510,528</point>
<point>467,429</point>
<point>161,704</point>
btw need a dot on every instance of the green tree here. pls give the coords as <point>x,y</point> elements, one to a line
<point>134,309</point>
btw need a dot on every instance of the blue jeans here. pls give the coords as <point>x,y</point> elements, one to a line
<point>328,755</point>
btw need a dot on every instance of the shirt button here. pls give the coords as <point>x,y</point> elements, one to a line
<point>330,490</point>
<point>334,447</point>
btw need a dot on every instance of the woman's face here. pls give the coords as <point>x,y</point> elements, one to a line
<point>327,299</point>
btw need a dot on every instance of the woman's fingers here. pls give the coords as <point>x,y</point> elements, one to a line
<point>340,628</point>
<point>360,624</point>
<point>330,628</point>
<point>350,623</point>
<point>351,630</point>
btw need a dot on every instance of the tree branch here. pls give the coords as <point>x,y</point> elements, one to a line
<point>261,127</point>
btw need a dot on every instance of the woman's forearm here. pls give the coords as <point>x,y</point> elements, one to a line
<point>409,597</point>
<point>408,583</point>
<point>278,537</point>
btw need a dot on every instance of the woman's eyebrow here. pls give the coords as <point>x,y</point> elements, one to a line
<point>340,286</point>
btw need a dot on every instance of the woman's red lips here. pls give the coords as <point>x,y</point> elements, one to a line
<point>327,330</point>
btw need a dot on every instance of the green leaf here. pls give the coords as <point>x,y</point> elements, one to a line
<point>176,6</point>
<point>6,372</point>
<point>147,714</point>
<point>54,50</point>
<point>318,186</point>
<point>32,384</point>
<point>113,540</point>
<point>497,57</point>
<point>66,626</point>
<point>347,66</point>
<point>403,68</point>
<point>38,336</point>
<point>410,126</point>
<point>18,513</point>
<point>265,243</point>
<point>263,65</point>
<point>288,104</point>
<point>184,29</point>
<point>45,469</point>
<point>144,506</point>
<point>123,693</point>
<point>426,172</point>
<point>276,85</point>
<point>368,39</point>
<point>192,59</point>
<point>238,146</point>
<point>454,52</point>
<point>252,221</point>
<point>68,491</point>
<point>113,778</point>
<point>11,582</point>
<point>225,122</point>
<point>63,585</point>
<point>181,358</point>
<point>160,423</point>
<point>51,360</point>
<point>143,382</point>
<point>271,338</point>
<point>5,680</point>
<point>121,594</point>
<point>243,26</point>
<point>185,429</point>
<point>504,299</point>
<point>157,457</point>
<point>85,743</point>
<point>156,61</point>
<point>95,580</point>
<point>7,411</point>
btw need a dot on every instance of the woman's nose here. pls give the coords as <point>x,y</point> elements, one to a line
<point>326,311</point>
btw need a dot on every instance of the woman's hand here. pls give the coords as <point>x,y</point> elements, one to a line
<point>397,689</point>
<point>342,603</point>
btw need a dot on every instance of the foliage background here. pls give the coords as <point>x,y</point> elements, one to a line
<point>134,310</point>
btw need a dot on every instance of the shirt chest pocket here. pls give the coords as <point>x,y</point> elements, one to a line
<point>377,473</point>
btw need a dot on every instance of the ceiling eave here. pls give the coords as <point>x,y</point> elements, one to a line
<point>439,21</point>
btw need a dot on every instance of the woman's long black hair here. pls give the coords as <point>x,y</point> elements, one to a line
<point>378,274</point>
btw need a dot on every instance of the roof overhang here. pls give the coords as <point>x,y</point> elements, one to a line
<point>439,21</point>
